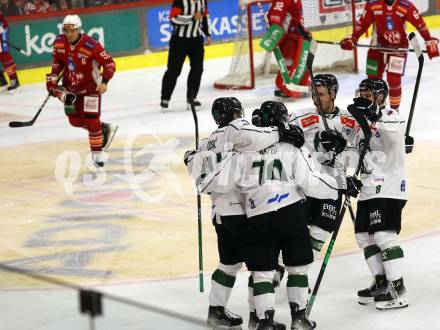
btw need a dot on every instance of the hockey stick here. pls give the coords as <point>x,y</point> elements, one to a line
<point>309,63</point>
<point>421,59</point>
<point>199,200</point>
<point>18,48</point>
<point>367,135</point>
<point>14,124</point>
<point>281,63</point>
<point>390,49</point>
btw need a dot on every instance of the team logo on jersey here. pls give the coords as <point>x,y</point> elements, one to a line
<point>310,120</point>
<point>389,23</point>
<point>71,64</point>
<point>403,186</point>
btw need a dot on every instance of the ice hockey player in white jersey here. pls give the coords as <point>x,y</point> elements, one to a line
<point>325,149</point>
<point>234,134</point>
<point>382,198</point>
<point>274,182</point>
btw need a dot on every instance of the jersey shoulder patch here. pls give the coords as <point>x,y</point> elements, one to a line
<point>405,3</point>
<point>347,121</point>
<point>309,120</point>
<point>90,43</point>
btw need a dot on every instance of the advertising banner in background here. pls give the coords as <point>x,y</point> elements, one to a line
<point>36,37</point>
<point>223,17</point>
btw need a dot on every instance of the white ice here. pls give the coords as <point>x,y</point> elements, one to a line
<point>133,103</point>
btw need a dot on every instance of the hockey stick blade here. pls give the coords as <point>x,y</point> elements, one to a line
<point>15,124</point>
<point>298,88</point>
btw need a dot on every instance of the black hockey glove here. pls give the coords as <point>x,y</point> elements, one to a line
<point>188,157</point>
<point>349,185</point>
<point>409,144</point>
<point>70,98</point>
<point>369,109</point>
<point>330,140</point>
<point>292,135</point>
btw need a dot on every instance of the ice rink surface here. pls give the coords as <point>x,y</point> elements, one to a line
<point>133,103</point>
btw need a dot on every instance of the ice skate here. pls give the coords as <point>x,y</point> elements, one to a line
<point>98,158</point>
<point>299,319</point>
<point>3,83</point>
<point>268,323</point>
<point>108,133</point>
<point>164,105</point>
<point>378,286</point>
<point>14,86</point>
<point>253,321</point>
<point>197,105</point>
<point>394,297</point>
<point>220,318</point>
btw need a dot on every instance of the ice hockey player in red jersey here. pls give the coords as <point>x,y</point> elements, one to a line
<point>78,58</point>
<point>289,15</point>
<point>389,19</point>
<point>6,59</point>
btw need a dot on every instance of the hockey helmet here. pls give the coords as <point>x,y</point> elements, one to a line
<point>72,22</point>
<point>225,109</point>
<point>256,118</point>
<point>273,113</point>
<point>375,85</point>
<point>327,80</point>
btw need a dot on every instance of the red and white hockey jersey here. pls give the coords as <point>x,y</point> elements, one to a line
<point>81,64</point>
<point>389,23</point>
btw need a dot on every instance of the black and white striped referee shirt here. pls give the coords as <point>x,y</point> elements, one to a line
<point>182,17</point>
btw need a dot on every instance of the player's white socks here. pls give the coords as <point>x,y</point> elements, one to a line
<point>318,238</point>
<point>372,253</point>
<point>251,293</point>
<point>392,254</point>
<point>298,285</point>
<point>264,293</point>
<point>222,282</point>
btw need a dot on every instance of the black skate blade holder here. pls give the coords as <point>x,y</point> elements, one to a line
<point>90,303</point>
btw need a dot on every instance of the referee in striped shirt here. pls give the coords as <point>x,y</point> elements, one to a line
<point>190,23</point>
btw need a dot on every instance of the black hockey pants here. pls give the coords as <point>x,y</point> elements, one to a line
<point>179,49</point>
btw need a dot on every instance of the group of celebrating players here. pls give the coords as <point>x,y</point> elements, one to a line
<point>276,186</point>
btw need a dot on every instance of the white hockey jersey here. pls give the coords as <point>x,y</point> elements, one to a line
<point>217,158</point>
<point>384,172</point>
<point>311,122</point>
<point>278,176</point>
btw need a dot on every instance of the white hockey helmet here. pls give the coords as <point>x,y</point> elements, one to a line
<point>72,22</point>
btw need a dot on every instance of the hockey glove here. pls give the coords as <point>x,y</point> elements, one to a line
<point>292,135</point>
<point>369,109</point>
<point>188,157</point>
<point>349,185</point>
<point>51,83</point>
<point>348,43</point>
<point>68,98</point>
<point>409,144</point>
<point>432,47</point>
<point>330,140</point>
